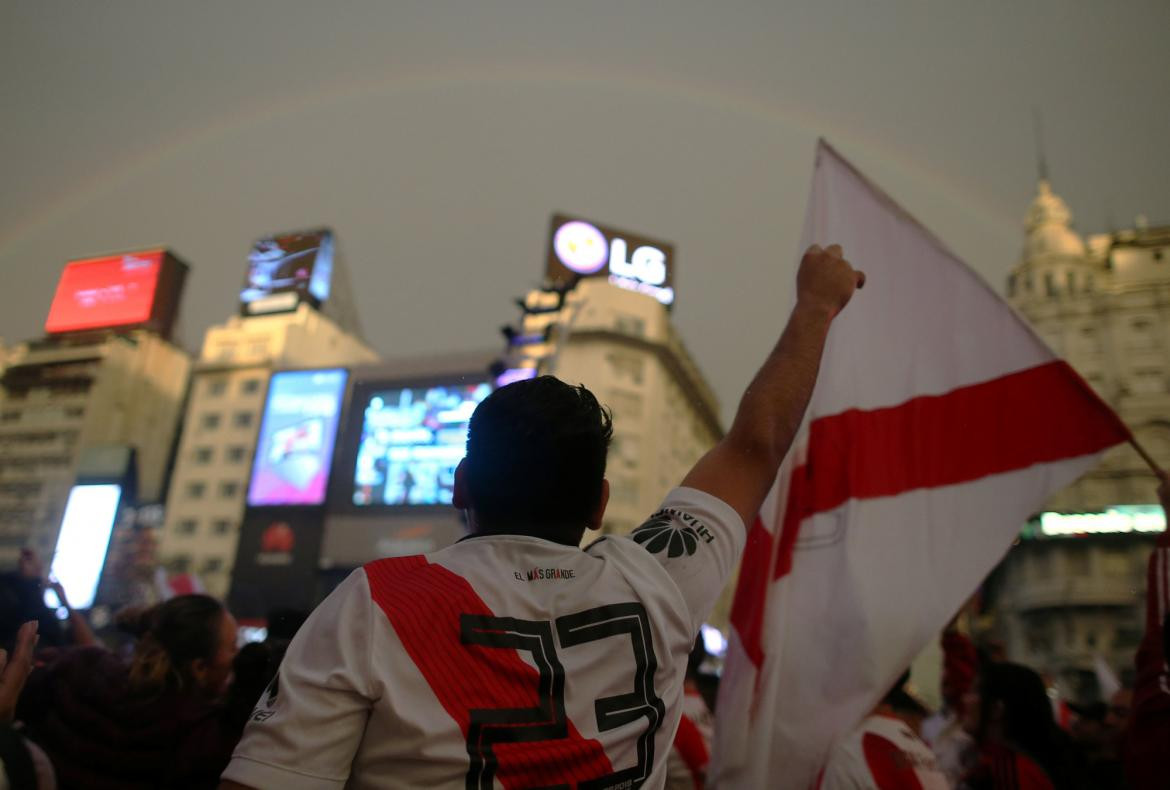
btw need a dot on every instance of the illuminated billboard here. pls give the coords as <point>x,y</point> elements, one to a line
<point>134,289</point>
<point>1115,520</point>
<point>287,268</point>
<point>411,440</point>
<point>83,542</point>
<point>295,450</point>
<point>578,248</point>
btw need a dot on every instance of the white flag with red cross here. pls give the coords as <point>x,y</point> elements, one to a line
<point>940,422</point>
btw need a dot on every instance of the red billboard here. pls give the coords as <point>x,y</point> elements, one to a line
<point>124,290</point>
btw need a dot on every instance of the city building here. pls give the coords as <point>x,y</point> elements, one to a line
<point>229,382</point>
<point>58,399</point>
<point>1068,595</point>
<point>106,375</point>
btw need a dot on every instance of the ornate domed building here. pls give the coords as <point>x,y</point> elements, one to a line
<point>1069,596</point>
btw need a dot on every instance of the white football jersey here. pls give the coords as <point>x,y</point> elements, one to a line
<point>882,754</point>
<point>502,661</point>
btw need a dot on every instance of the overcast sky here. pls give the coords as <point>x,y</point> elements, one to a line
<point>437,138</point>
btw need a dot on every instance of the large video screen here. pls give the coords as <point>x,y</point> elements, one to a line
<point>297,433</point>
<point>285,268</point>
<point>411,441</point>
<point>116,290</point>
<point>82,544</point>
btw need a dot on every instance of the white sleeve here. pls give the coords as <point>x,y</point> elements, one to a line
<point>307,726</point>
<point>698,539</point>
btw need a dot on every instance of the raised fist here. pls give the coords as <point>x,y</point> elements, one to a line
<point>825,280</point>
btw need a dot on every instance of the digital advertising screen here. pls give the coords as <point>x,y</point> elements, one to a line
<point>411,440</point>
<point>116,290</point>
<point>285,268</point>
<point>82,544</point>
<point>297,433</point>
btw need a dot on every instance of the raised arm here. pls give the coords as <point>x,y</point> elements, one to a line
<point>740,469</point>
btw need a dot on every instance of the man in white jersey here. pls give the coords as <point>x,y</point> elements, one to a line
<point>884,752</point>
<point>514,658</point>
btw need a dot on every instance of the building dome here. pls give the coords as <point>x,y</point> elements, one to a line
<point>1048,231</point>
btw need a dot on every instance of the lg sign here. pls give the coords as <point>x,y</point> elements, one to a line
<point>584,249</point>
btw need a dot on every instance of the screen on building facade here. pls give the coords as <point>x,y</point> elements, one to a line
<point>84,542</point>
<point>287,268</point>
<point>294,452</point>
<point>411,440</point>
<point>110,291</point>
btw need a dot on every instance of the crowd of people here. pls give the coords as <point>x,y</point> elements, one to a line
<point>463,669</point>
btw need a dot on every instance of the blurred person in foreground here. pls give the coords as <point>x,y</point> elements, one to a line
<point>1018,745</point>
<point>944,729</point>
<point>1147,739</point>
<point>686,768</point>
<point>170,718</point>
<point>514,655</point>
<point>22,763</point>
<point>884,752</point>
<point>22,598</point>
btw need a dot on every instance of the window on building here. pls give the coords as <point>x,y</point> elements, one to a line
<point>180,563</point>
<point>221,526</point>
<point>203,455</point>
<point>630,325</point>
<point>187,526</point>
<point>1049,284</point>
<point>1039,639</point>
<point>1071,280</point>
<point>1148,381</point>
<point>209,421</point>
<point>228,489</point>
<point>237,454</point>
<point>242,419</point>
<point>1078,561</point>
<point>212,564</point>
<point>196,490</point>
<point>1115,562</point>
<point>250,386</point>
<point>10,415</point>
<point>626,368</point>
<point>215,387</point>
<point>1042,565</point>
<point>74,411</point>
<point>1142,333</point>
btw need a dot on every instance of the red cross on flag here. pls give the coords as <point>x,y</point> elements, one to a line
<point>939,424</point>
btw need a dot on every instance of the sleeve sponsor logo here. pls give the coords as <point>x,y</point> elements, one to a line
<point>664,532</point>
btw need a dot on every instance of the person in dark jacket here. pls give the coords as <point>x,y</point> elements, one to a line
<point>168,719</point>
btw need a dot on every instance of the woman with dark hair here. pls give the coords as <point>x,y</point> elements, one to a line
<point>164,720</point>
<point>1019,746</point>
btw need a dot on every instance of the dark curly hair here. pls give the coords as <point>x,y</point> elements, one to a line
<point>536,454</point>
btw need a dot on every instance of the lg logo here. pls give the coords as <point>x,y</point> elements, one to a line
<point>583,248</point>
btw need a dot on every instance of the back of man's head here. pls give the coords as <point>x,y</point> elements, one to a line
<point>536,458</point>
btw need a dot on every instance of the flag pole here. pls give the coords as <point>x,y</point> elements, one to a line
<point>1157,470</point>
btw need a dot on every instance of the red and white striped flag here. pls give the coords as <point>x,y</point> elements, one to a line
<point>939,424</point>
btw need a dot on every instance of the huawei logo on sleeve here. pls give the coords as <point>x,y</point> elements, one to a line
<point>663,532</point>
